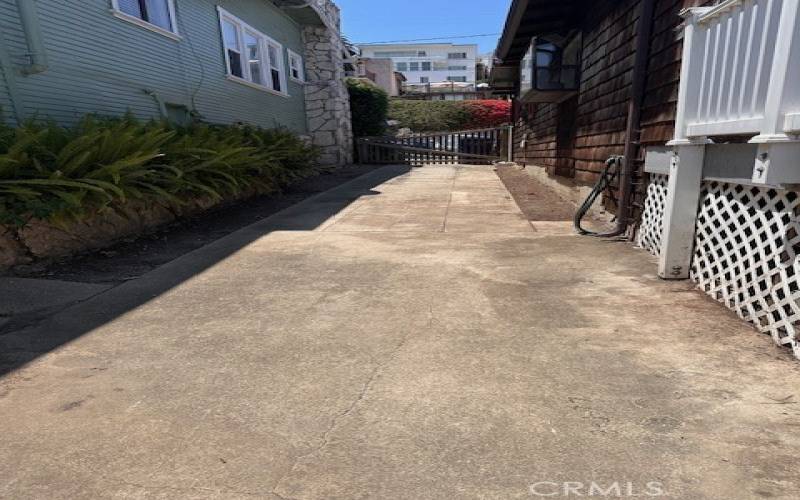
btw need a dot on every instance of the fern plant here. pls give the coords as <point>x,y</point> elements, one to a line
<point>58,173</point>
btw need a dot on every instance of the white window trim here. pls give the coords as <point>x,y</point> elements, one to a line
<point>173,34</point>
<point>264,42</point>
<point>301,69</point>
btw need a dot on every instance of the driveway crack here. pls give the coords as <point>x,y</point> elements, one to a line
<point>365,388</point>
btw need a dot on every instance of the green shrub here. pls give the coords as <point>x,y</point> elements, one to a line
<point>369,105</point>
<point>53,172</point>
<point>429,116</point>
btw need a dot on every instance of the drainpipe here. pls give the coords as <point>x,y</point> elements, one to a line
<point>643,32</point>
<point>7,71</point>
<point>33,35</point>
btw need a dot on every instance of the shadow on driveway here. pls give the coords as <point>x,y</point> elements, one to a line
<point>22,346</point>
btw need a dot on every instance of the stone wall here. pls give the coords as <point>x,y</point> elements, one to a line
<point>327,99</point>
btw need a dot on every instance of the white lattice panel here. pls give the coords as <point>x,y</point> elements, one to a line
<point>747,255</point>
<point>652,225</point>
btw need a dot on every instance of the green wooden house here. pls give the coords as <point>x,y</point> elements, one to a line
<point>264,62</point>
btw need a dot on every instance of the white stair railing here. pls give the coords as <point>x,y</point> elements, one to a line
<point>741,71</point>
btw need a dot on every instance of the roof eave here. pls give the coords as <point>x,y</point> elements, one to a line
<point>513,21</point>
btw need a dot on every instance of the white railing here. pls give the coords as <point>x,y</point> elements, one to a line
<point>741,71</point>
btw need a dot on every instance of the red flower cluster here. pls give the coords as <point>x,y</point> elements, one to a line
<point>488,113</point>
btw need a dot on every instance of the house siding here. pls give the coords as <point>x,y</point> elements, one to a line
<point>101,64</point>
<point>609,41</point>
<point>6,108</point>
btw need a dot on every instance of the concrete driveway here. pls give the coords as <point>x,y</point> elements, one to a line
<point>406,336</point>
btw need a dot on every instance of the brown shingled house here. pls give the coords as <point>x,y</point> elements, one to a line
<point>617,85</point>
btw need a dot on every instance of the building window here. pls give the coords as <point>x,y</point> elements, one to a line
<point>457,55</point>
<point>426,66</point>
<point>424,79</point>
<point>456,78</point>
<point>422,53</point>
<point>456,68</point>
<point>552,64</point>
<point>251,56</point>
<point>157,15</point>
<point>275,72</point>
<point>401,66</point>
<point>296,70</point>
<point>414,66</point>
<point>253,49</point>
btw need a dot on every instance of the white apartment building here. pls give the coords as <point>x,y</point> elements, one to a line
<point>428,62</point>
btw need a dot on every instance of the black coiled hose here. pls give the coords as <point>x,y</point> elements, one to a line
<point>609,174</point>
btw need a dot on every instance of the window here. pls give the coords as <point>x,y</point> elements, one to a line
<point>296,70</point>
<point>457,55</point>
<point>156,15</point>
<point>552,64</point>
<point>456,68</point>
<point>275,67</point>
<point>230,33</point>
<point>456,78</point>
<point>426,66</point>
<point>422,53</point>
<point>414,66</point>
<point>253,49</point>
<point>254,58</point>
<point>401,66</point>
<point>424,79</point>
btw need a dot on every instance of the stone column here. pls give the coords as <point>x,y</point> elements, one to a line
<point>327,99</point>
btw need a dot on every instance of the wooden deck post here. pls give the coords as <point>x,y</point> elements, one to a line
<point>680,213</point>
<point>686,168</point>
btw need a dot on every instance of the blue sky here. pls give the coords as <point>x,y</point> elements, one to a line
<point>382,20</point>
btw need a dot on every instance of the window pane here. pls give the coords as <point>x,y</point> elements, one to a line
<point>158,13</point>
<point>275,67</point>
<point>231,36</point>
<point>253,57</point>
<point>426,66</point>
<point>276,80</point>
<point>131,7</point>
<point>543,58</point>
<point>235,59</point>
<point>273,57</point>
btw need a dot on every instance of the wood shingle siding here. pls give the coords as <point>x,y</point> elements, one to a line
<point>609,44</point>
<point>101,64</point>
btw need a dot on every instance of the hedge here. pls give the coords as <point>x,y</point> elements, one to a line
<point>51,172</point>
<point>369,105</point>
<point>444,116</point>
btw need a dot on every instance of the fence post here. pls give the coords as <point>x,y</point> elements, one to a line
<point>510,143</point>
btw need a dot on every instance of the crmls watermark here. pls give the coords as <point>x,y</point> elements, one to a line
<point>616,489</point>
